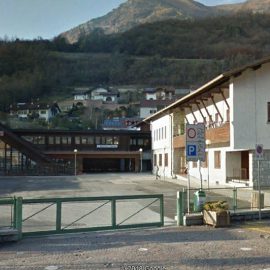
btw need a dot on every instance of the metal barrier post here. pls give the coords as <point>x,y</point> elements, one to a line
<point>234,199</point>
<point>58,215</point>
<point>14,212</point>
<point>113,213</point>
<point>18,216</point>
<point>161,210</point>
<point>180,208</point>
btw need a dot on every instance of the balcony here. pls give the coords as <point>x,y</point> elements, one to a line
<point>217,134</point>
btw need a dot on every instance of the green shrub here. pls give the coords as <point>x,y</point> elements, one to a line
<point>217,206</point>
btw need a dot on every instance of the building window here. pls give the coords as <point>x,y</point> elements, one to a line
<point>98,139</point>
<point>160,160</point>
<point>217,160</point>
<point>115,140</point>
<point>155,160</point>
<point>77,140</point>
<point>57,140</point>
<point>268,112</point>
<point>166,160</point>
<point>51,140</point>
<point>66,140</point>
<point>84,140</point>
<point>133,141</point>
<point>140,142</point>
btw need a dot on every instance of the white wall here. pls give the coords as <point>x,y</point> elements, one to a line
<point>215,175</point>
<point>251,93</point>
<point>161,144</point>
<point>145,111</point>
<point>151,96</point>
<point>81,97</point>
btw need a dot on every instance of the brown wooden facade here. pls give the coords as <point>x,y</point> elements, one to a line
<point>96,151</point>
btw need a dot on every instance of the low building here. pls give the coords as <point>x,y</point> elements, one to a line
<point>35,151</point>
<point>81,94</point>
<point>159,93</point>
<point>34,110</point>
<point>109,95</point>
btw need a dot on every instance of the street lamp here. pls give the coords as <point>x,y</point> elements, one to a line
<point>208,142</point>
<point>75,161</point>
<point>140,150</point>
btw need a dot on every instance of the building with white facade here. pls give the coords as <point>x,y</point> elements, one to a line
<point>34,110</point>
<point>162,146</point>
<point>235,108</point>
<point>81,93</point>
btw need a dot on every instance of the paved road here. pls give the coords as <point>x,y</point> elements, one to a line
<point>171,248</point>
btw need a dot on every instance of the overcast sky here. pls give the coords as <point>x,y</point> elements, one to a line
<point>28,19</point>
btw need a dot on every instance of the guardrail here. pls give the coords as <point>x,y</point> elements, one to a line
<point>68,215</point>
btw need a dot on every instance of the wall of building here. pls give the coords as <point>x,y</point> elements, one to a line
<point>151,96</point>
<point>216,175</point>
<point>161,145</point>
<point>145,111</point>
<point>81,97</point>
<point>251,94</point>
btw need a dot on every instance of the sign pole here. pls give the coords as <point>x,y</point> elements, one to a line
<point>200,171</point>
<point>188,193</point>
<point>259,187</point>
<point>259,157</point>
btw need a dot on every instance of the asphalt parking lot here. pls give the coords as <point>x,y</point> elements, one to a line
<point>241,246</point>
<point>91,185</point>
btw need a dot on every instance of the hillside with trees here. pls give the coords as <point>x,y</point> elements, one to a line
<point>176,53</point>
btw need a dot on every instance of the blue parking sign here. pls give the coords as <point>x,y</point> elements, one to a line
<point>191,150</point>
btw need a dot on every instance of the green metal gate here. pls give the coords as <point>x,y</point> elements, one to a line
<point>68,215</point>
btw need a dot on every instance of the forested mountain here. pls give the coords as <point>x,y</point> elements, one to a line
<point>179,54</point>
<point>210,38</point>
<point>136,12</point>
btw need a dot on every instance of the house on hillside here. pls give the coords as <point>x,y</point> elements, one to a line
<point>235,109</point>
<point>81,95</point>
<point>148,107</point>
<point>110,95</point>
<point>159,93</point>
<point>34,110</point>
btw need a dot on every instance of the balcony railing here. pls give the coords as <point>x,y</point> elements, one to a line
<point>217,133</point>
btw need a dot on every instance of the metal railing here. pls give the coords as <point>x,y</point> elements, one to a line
<point>238,198</point>
<point>68,215</point>
<point>7,210</point>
